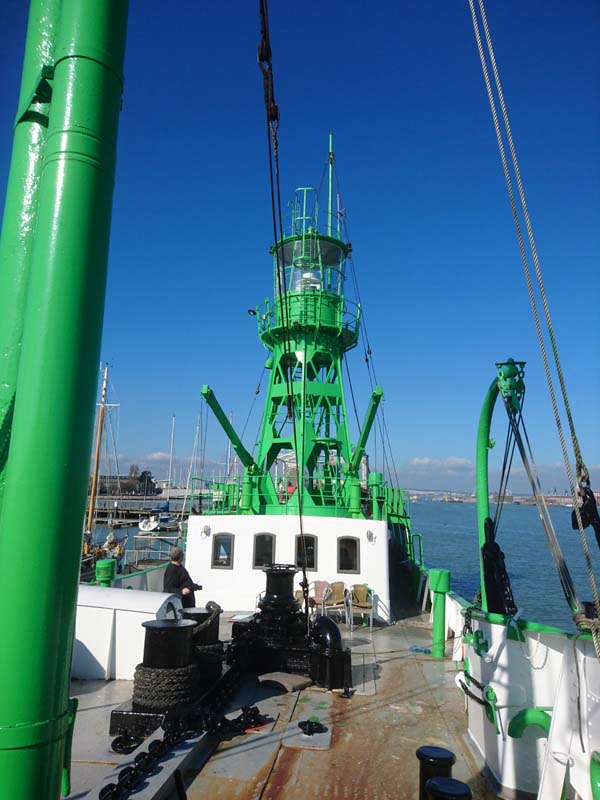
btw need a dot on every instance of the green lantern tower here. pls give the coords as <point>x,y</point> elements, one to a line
<point>307,327</point>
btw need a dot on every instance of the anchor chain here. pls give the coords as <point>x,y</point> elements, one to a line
<point>178,727</point>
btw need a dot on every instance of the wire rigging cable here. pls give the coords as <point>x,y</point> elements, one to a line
<point>581,469</point>
<point>272,111</point>
<point>516,424</point>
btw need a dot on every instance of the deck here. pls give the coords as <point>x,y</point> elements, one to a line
<point>403,700</point>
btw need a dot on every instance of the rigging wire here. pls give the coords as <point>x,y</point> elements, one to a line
<point>368,353</point>
<point>272,112</point>
<point>509,451</point>
<point>188,484</point>
<point>352,394</point>
<point>252,404</point>
<point>581,469</point>
<point>532,474</point>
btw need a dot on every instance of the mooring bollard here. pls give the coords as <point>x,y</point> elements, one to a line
<point>447,789</point>
<point>439,583</point>
<point>434,762</point>
<point>106,571</point>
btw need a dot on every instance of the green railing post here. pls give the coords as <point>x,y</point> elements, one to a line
<point>18,226</point>
<point>439,583</point>
<point>51,436</point>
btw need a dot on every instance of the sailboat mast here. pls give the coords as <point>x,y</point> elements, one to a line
<point>94,488</point>
<point>171,456</point>
<point>229,447</point>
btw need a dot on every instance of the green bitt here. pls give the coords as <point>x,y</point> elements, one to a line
<point>439,583</point>
<point>106,571</point>
<point>55,394</point>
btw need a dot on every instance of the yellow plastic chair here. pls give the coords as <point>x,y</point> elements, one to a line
<point>316,595</point>
<point>336,599</point>
<point>360,601</point>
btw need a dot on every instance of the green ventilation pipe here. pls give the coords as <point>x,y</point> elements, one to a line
<point>18,225</point>
<point>53,419</point>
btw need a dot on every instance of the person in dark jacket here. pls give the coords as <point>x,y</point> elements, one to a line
<point>177,580</point>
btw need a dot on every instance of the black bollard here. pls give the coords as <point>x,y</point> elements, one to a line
<point>447,789</point>
<point>168,643</point>
<point>434,762</point>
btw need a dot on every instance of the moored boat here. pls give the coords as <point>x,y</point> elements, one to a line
<point>530,689</point>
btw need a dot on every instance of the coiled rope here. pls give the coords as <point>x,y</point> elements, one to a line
<point>582,471</point>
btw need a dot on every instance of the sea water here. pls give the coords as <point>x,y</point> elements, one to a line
<point>450,541</point>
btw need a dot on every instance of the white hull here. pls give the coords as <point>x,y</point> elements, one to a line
<point>535,681</point>
<point>238,587</point>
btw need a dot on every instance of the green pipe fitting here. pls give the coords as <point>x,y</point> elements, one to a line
<point>527,717</point>
<point>439,583</point>
<point>106,571</point>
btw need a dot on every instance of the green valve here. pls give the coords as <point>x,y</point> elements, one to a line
<point>106,571</point>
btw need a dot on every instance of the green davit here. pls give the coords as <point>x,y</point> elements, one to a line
<point>50,439</point>
<point>509,383</point>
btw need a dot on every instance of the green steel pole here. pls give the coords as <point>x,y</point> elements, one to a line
<point>53,419</point>
<point>18,224</point>
<point>481,471</point>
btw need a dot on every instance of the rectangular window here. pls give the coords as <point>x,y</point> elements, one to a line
<point>310,548</point>
<point>222,551</point>
<point>348,554</point>
<point>264,550</point>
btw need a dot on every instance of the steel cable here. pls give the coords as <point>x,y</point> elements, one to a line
<point>582,470</point>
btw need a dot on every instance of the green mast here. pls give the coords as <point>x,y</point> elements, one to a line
<point>51,435</point>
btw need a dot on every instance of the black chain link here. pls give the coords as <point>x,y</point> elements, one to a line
<point>179,726</point>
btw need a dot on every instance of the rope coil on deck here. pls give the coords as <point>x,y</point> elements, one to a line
<point>164,688</point>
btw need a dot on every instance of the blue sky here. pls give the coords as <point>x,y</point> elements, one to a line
<point>435,250</point>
